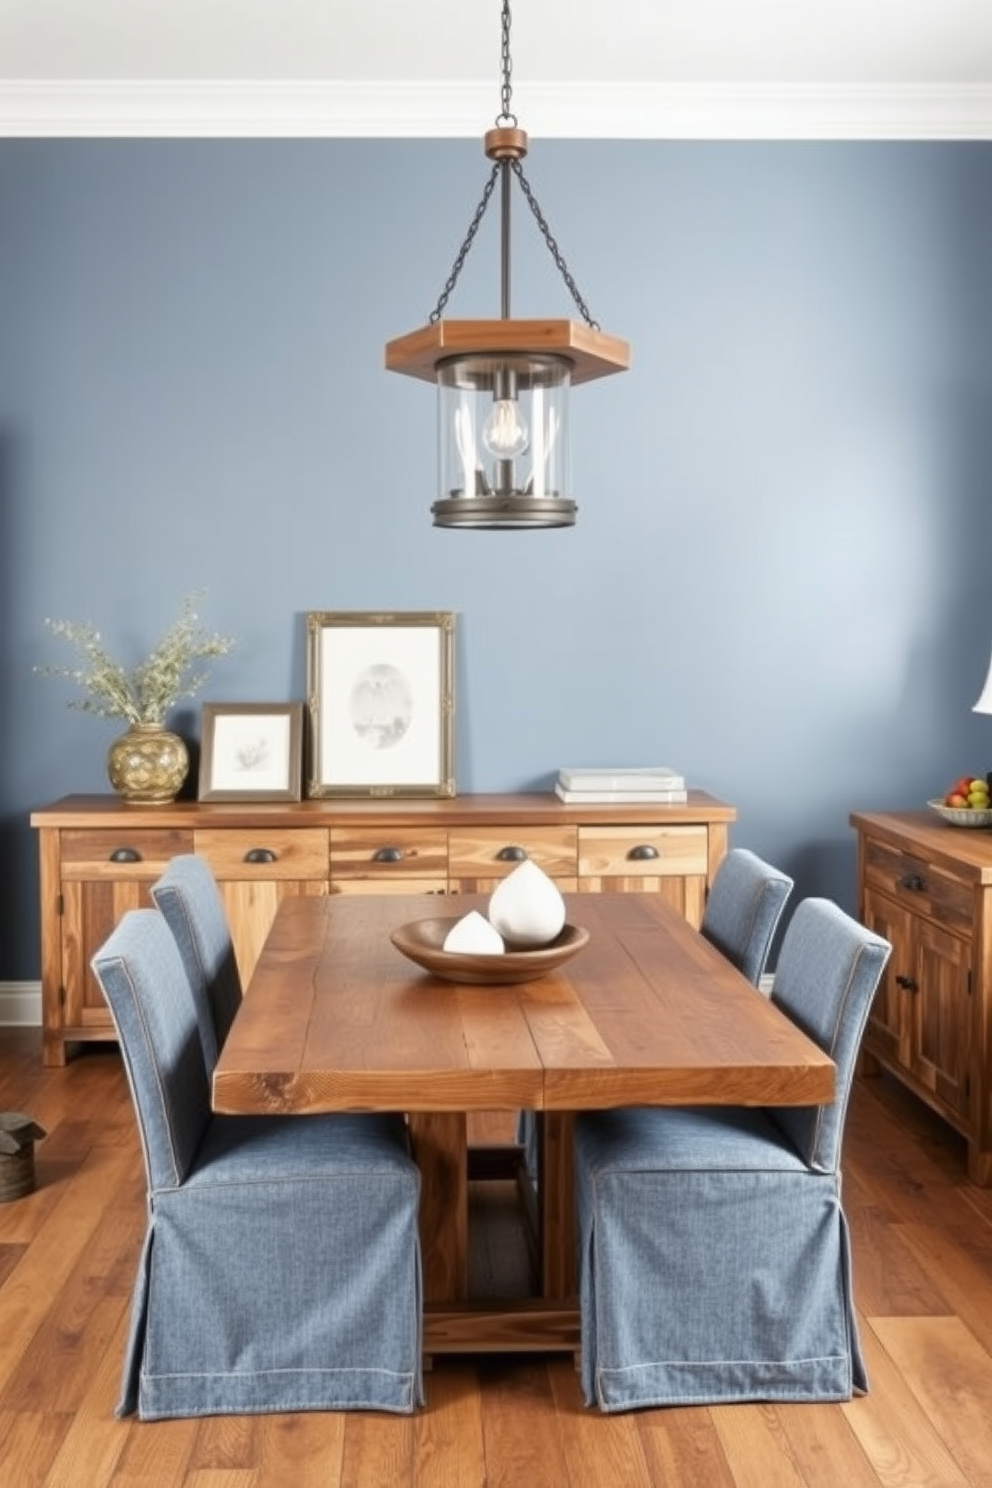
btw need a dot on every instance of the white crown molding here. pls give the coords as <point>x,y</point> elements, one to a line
<point>705,111</point>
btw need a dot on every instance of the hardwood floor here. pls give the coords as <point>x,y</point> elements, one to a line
<point>923,1278</point>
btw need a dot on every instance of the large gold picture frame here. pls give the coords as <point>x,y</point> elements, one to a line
<point>380,695</point>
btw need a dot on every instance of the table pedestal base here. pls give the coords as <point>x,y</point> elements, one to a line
<point>455,1321</point>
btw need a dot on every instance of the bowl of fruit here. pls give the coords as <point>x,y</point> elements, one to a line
<point>966,804</point>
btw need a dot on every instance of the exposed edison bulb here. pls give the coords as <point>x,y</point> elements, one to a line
<point>504,432</point>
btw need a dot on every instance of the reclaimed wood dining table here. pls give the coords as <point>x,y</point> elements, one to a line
<point>648,1012</point>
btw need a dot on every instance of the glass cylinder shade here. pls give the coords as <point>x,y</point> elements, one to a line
<point>503,442</point>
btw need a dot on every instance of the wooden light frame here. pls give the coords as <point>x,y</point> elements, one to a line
<point>591,352</point>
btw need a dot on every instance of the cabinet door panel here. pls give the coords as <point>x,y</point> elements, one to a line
<point>942,1018</point>
<point>889,1028</point>
<point>687,895</point>
<point>251,908</point>
<point>90,911</point>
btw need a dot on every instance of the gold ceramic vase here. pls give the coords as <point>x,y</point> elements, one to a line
<point>147,765</point>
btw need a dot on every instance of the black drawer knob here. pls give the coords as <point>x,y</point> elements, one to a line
<point>642,852</point>
<point>908,984</point>
<point>125,855</point>
<point>260,855</point>
<point>388,855</point>
<point>511,854</point>
<point>912,881</point>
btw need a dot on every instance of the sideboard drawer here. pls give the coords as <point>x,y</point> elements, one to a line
<point>387,854</point>
<point>649,852</point>
<point>126,852</point>
<point>915,883</point>
<point>493,852</point>
<point>264,853</point>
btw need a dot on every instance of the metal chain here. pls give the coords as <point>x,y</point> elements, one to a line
<point>456,267</point>
<point>553,248</point>
<point>506,115</point>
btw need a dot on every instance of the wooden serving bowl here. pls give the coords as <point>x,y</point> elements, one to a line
<point>422,941</point>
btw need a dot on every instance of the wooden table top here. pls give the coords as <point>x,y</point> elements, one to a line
<point>336,1019</point>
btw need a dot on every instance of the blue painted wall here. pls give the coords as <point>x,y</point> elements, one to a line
<point>780,577</point>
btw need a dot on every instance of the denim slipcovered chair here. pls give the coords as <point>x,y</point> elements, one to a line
<point>743,908</point>
<point>280,1269</point>
<point>188,896</point>
<point>714,1257</point>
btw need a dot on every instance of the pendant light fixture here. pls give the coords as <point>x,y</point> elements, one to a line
<point>503,384</point>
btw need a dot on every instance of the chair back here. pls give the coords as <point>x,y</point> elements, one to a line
<point>144,981</point>
<point>188,897</point>
<point>743,908</point>
<point>828,970</point>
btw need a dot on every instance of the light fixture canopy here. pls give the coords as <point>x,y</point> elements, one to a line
<point>503,385</point>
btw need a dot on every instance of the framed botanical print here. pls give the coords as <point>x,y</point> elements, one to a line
<point>251,752</point>
<point>380,693</point>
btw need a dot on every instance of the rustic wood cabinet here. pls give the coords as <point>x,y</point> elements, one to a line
<point>927,888</point>
<point>98,858</point>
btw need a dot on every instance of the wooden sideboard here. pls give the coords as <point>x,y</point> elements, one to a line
<point>98,858</point>
<point>927,888</point>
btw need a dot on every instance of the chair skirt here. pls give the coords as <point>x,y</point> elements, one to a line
<point>283,1275</point>
<point>714,1264</point>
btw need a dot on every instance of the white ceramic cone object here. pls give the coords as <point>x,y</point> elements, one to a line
<point>474,936</point>
<point>527,908</point>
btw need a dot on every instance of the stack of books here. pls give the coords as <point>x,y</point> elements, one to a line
<point>649,783</point>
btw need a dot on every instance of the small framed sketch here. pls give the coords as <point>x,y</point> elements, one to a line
<point>251,751</point>
<point>380,692</point>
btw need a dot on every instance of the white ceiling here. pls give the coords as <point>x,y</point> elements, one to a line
<point>579,66</point>
<point>757,41</point>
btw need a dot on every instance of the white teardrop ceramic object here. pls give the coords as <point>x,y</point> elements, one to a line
<point>474,936</point>
<point>527,908</point>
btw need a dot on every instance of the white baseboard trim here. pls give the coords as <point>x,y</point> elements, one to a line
<point>20,1004</point>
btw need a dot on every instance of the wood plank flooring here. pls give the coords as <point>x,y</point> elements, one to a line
<point>923,1280</point>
